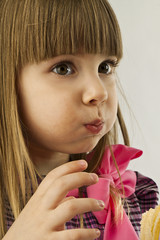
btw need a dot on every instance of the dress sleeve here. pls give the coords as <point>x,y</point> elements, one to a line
<point>146,192</point>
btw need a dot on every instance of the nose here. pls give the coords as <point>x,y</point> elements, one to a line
<point>95,92</point>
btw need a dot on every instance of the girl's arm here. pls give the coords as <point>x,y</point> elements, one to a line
<point>46,213</point>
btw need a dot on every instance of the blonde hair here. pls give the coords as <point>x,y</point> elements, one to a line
<point>32,31</point>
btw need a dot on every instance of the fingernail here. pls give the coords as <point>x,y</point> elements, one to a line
<point>94,177</point>
<point>83,163</point>
<point>101,203</point>
<point>97,232</point>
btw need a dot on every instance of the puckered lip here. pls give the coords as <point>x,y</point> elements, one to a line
<point>96,122</point>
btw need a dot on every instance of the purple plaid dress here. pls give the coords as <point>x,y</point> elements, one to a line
<point>144,198</point>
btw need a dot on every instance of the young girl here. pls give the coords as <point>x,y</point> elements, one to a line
<point>62,176</point>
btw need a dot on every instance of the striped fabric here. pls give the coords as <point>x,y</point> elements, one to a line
<point>144,198</point>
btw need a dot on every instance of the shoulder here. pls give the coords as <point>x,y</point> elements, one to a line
<point>145,184</point>
<point>146,192</point>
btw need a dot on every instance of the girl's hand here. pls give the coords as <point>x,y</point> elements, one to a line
<point>45,214</point>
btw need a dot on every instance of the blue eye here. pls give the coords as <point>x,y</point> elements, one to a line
<point>63,69</point>
<point>104,68</point>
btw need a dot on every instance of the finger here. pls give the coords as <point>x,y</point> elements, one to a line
<point>67,199</point>
<point>72,208</point>
<point>77,234</point>
<point>55,194</point>
<point>67,168</point>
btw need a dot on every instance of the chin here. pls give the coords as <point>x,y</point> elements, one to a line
<point>80,151</point>
<point>84,148</point>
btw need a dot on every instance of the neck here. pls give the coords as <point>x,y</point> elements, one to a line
<point>46,160</point>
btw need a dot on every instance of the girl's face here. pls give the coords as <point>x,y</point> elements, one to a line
<point>59,96</point>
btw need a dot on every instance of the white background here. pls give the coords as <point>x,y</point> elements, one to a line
<point>139,74</point>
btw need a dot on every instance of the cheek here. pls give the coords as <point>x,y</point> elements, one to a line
<point>112,105</point>
<point>47,113</point>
